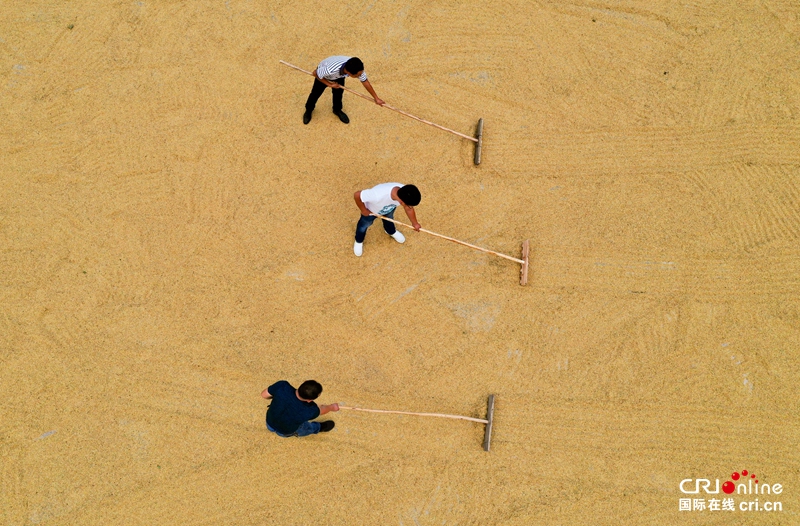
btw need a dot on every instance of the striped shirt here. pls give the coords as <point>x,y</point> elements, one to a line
<point>332,68</point>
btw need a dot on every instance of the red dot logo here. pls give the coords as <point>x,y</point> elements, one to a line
<point>728,487</point>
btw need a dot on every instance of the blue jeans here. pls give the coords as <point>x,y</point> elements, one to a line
<point>305,429</point>
<point>366,221</point>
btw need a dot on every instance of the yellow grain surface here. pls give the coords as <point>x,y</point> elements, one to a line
<point>173,240</point>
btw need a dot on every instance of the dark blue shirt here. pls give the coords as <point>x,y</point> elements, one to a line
<point>287,412</point>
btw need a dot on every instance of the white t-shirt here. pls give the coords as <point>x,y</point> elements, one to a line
<point>378,199</point>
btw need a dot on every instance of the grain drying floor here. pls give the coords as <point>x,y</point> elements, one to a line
<point>173,240</point>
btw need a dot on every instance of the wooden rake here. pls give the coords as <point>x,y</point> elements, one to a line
<point>478,139</point>
<point>523,272</point>
<point>487,434</point>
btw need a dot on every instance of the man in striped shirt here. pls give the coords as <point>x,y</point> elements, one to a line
<point>331,73</point>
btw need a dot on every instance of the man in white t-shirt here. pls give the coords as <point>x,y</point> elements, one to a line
<point>331,73</point>
<point>382,200</point>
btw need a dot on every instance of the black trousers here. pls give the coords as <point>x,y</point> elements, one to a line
<point>316,93</point>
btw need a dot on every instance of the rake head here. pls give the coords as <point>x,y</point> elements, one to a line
<point>479,144</point>
<point>487,434</point>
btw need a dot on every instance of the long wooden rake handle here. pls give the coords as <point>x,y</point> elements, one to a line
<point>457,417</point>
<point>521,262</point>
<point>387,106</point>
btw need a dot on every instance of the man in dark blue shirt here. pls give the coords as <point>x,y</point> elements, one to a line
<point>291,409</point>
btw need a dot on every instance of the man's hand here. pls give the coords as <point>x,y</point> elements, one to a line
<point>329,83</point>
<point>371,91</point>
<point>412,215</point>
<point>360,204</point>
<point>326,81</point>
<point>325,409</point>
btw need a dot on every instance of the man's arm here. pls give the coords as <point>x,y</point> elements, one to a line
<point>327,82</point>
<point>325,409</point>
<point>265,394</point>
<point>360,204</point>
<point>412,215</point>
<point>378,100</point>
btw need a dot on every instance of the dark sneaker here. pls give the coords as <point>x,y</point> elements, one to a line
<point>326,426</point>
<point>306,117</point>
<point>342,116</point>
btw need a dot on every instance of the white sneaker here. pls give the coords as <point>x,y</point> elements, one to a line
<point>358,248</point>
<point>400,238</point>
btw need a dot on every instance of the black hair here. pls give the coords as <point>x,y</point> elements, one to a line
<point>354,65</point>
<point>409,194</point>
<point>309,390</point>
